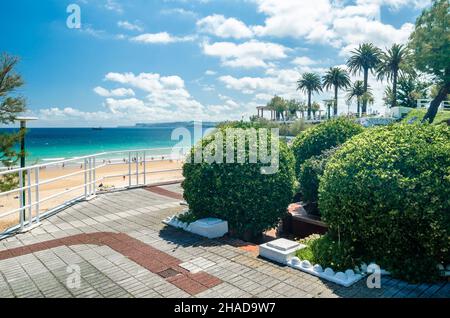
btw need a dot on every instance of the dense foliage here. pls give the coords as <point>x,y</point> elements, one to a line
<point>11,104</point>
<point>328,252</point>
<point>240,193</point>
<point>431,50</point>
<point>314,141</point>
<point>310,173</point>
<point>387,193</point>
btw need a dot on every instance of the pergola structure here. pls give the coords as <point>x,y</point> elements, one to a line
<point>261,109</point>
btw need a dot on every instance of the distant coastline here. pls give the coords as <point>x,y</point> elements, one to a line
<point>48,144</point>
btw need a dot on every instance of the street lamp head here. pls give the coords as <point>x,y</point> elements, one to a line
<point>26,118</point>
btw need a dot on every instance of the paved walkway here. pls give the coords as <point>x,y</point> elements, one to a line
<point>116,246</point>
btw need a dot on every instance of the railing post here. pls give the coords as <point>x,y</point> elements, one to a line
<point>94,177</point>
<point>137,168</point>
<point>90,176</point>
<point>129,169</point>
<point>145,170</point>
<point>36,177</point>
<point>85,180</point>
<point>30,201</point>
<point>21,216</point>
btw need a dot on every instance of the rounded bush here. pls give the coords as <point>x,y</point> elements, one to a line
<point>329,134</point>
<point>387,191</point>
<point>310,173</point>
<point>240,193</point>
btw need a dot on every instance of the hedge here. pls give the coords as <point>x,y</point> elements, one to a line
<point>387,192</point>
<point>327,135</point>
<point>250,201</point>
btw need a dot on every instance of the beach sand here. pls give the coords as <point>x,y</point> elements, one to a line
<point>11,201</point>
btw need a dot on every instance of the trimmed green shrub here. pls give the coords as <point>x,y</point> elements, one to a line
<point>240,193</point>
<point>328,252</point>
<point>329,134</point>
<point>310,173</point>
<point>387,192</point>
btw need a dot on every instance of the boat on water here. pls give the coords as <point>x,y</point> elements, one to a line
<point>97,128</point>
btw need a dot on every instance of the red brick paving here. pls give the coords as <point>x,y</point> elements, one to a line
<point>145,255</point>
<point>165,192</point>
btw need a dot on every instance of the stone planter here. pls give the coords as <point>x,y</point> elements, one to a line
<point>301,224</point>
<point>209,227</point>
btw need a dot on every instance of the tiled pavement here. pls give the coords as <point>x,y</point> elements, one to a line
<point>120,248</point>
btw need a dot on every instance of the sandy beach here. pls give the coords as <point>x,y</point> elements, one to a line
<point>109,176</point>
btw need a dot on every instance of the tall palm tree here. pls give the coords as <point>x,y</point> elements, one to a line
<point>393,63</point>
<point>309,83</point>
<point>364,59</point>
<point>336,78</point>
<point>357,91</point>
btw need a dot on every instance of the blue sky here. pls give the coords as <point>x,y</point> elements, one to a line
<point>169,60</point>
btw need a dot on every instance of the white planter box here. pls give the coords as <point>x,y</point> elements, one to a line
<point>280,251</point>
<point>209,227</point>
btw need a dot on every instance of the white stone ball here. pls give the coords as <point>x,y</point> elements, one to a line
<point>317,268</point>
<point>328,271</point>
<point>306,264</point>
<point>295,260</point>
<point>340,276</point>
<point>350,273</point>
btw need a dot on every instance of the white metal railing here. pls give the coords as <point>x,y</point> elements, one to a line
<point>136,163</point>
<point>425,103</point>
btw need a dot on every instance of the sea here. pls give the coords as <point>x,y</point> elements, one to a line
<point>52,144</point>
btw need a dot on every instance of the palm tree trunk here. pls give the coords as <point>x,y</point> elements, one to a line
<point>358,107</point>
<point>394,89</point>
<point>335,101</point>
<point>309,105</point>
<point>366,85</point>
<point>434,106</point>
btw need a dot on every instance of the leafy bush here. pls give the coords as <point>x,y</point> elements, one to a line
<point>314,141</point>
<point>330,252</point>
<point>310,173</point>
<point>240,193</point>
<point>327,252</point>
<point>387,191</point>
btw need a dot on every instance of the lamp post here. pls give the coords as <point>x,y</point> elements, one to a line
<point>23,126</point>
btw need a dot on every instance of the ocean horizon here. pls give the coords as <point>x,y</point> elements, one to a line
<point>47,144</point>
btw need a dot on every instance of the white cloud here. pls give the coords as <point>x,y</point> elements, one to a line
<point>178,12</point>
<point>303,61</point>
<point>223,27</point>
<point>160,38</point>
<point>246,55</point>
<point>113,5</point>
<point>210,72</point>
<point>119,92</point>
<point>332,23</point>
<point>129,26</point>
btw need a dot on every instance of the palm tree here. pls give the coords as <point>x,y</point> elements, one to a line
<point>393,63</point>
<point>364,59</point>
<point>336,78</point>
<point>357,91</point>
<point>309,83</point>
